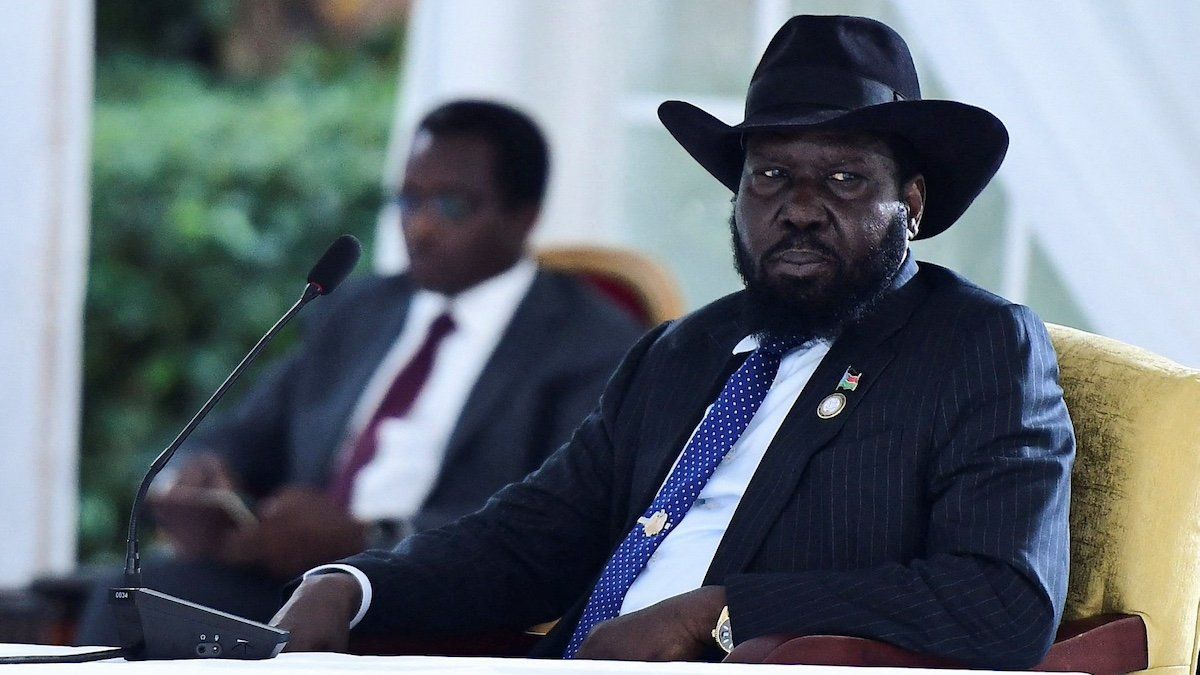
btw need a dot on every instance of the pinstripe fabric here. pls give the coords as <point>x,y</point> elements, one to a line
<point>964,516</point>
<point>931,513</point>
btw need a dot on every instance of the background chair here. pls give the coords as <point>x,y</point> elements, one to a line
<point>635,282</point>
<point>1133,600</point>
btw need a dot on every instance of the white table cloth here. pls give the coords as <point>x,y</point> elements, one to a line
<point>424,665</point>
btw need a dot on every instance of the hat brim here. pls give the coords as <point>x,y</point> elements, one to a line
<point>959,146</point>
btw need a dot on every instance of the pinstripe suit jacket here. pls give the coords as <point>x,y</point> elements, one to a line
<point>931,513</point>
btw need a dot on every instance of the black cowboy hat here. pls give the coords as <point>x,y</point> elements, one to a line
<point>848,73</point>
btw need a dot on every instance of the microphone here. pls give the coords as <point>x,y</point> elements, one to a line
<point>154,625</point>
<point>335,264</point>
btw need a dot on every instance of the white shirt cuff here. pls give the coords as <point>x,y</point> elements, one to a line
<point>363,582</point>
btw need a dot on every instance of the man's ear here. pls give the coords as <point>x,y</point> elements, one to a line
<point>913,195</point>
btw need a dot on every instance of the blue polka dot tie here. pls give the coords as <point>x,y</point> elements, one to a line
<point>718,431</point>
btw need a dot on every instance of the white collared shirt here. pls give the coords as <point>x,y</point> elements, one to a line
<point>681,561</point>
<point>411,449</point>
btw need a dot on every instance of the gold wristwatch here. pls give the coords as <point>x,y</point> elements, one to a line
<point>723,634</point>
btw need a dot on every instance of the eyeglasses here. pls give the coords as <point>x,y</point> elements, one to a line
<point>453,206</point>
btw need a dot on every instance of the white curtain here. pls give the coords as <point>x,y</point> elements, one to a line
<point>1103,103</point>
<point>45,112</point>
<point>1102,100</point>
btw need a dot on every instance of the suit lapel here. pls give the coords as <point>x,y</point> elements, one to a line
<point>518,351</point>
<point>688,392</point>
<point>864,347</point>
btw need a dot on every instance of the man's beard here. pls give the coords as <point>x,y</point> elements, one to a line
<point>802,309</point>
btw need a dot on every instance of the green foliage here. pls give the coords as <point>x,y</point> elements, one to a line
<point>210,200</point>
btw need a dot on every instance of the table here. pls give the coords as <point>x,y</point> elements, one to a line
<point>425,665</point>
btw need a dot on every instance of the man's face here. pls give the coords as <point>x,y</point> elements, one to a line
<point>456,227</point>
<point>820,227</point>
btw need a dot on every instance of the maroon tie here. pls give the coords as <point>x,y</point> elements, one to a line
<point>396,403</point>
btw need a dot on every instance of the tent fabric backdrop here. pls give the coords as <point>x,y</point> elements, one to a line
<point>1100,98</point>
<point>1103,104</point>
<point>45,113</point>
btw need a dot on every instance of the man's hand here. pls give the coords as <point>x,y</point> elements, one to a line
<point>318,614</point>
<point>189,510</point>
<point>204,471</point>
<point>676,629</point>
<point>298,529</point>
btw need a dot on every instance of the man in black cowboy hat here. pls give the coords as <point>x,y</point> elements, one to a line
<point>856,444</point>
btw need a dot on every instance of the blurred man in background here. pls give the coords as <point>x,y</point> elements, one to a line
<point>411,399</point>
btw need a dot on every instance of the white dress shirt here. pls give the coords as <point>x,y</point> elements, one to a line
<point>682,560</point>
<point>410,449</point>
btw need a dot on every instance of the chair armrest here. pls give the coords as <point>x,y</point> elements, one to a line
<point>832,650</point>
<point>1109,643</point>
<point>1112,643</point>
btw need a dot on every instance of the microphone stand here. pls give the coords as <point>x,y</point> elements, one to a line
<point>154,625</point>
<point>133,566</point>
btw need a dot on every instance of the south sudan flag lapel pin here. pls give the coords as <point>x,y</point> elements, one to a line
<point>849,379</point>
<point>833,404</point>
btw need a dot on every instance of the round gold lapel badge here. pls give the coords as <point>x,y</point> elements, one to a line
<point>831,405</point>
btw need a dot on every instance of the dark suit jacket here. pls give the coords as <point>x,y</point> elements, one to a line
<point>547,372</point>
<point>931,513</point>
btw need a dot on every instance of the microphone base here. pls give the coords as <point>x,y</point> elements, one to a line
<point>153,625</point>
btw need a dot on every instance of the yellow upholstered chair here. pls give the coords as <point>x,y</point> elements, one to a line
<point>632,280</point>
<point>1135,510</point>
<point>1133,599</point>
